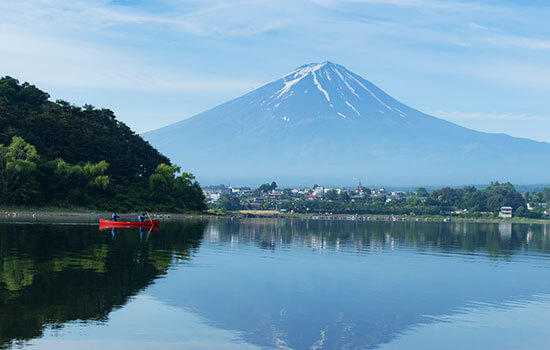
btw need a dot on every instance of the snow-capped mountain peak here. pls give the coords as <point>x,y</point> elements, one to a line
<point>322,122</point>
<point>343,94</point>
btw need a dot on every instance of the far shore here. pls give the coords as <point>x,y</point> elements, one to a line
<point>89,215</point>
<point>378,217</point>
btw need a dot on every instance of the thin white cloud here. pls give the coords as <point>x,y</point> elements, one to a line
<point>42,50</point>
<point>492,116</point>
<point>509,41</point>
<point>219,18</point>
<point>523,125</point>
<point>477,26</point>
<point>427,4</point>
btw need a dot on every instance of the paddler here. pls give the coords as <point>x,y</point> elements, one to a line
<point>114,216</point>
<point>142,217</point>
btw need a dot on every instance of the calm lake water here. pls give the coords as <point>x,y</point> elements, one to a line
<point>281,284</point>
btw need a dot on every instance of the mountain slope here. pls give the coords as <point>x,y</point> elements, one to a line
<point>323,123</point>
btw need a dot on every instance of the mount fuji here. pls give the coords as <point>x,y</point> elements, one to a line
<point>321,123</point>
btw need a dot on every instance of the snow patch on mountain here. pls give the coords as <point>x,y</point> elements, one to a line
<point>346,83</point>
<point>298,75</point>
<point>368,90</point>
<point>320,87</point>
<point>352,107</point>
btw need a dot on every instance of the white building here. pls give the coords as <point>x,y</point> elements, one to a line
<point>505,212</point>
<point>318,191</point>
<point>212,196</point>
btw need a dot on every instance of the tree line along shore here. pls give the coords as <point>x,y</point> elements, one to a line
<point>467,202</point>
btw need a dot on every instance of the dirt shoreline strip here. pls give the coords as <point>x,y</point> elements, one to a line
<point>47,214</point>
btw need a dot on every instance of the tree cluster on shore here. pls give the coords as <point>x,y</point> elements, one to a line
<point>58,154</point>
<point>468,201</point>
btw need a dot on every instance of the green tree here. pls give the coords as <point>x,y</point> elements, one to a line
<point>344,196</point>
<point>162,182</point>
<point>179,192</point>
<point>413,201</point>
<point>422,192</point>
<point>17,168</point>
<point>521,212</point>
<point>499,195</point>
<point>76,183</point>
<point>380,200</point>
<point>229,202</point>
<point>447,196</point>
<point>268,204</point>
<point>475,201</point>
<point>331,195</point>
<point>266,188</point>
<point>188,194</point>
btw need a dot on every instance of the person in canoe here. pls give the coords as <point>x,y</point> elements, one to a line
<point>114,217</point>
<point>143,216</point>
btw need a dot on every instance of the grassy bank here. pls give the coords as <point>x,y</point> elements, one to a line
<point>378,217</point>
<point>81,213</point>
<point>86,213</point>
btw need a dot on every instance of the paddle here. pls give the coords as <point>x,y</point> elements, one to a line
<point>149,233</point>
<point>150,218</point>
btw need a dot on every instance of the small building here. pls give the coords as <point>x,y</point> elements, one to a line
<point>505,212</point>
<point>313,197</point>
<point>212,196</point>
<point>255,206</point>
<point>533,206</point>
<point>274,194</point>
<point>318,191</point>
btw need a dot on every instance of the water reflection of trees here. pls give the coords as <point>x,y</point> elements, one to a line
<point>52,274</point>
<point>361,303</point>
<point>498,240</point>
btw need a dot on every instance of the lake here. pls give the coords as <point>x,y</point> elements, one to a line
<point>275,284</point>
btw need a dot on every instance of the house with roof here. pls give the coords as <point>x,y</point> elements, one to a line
<point>505,212</point>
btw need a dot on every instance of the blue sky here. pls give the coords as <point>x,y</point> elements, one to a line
<point>481,64</point>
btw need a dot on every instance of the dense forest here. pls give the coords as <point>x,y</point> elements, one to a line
<point>58,154</point>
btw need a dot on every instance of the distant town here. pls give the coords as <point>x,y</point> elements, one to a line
<point>494,201</point>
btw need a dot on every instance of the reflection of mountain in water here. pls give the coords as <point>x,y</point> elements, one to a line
<point>52,274</point>
<point>341,285</point>
<point>294,283</point>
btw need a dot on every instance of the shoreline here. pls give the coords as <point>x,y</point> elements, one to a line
<point>59,213</point>
<point>81,214</point>
<point>391,218</point>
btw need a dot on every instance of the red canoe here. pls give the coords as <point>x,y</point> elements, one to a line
<point>109,223</point>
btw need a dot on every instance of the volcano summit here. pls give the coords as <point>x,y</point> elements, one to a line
<point>321,123</point>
